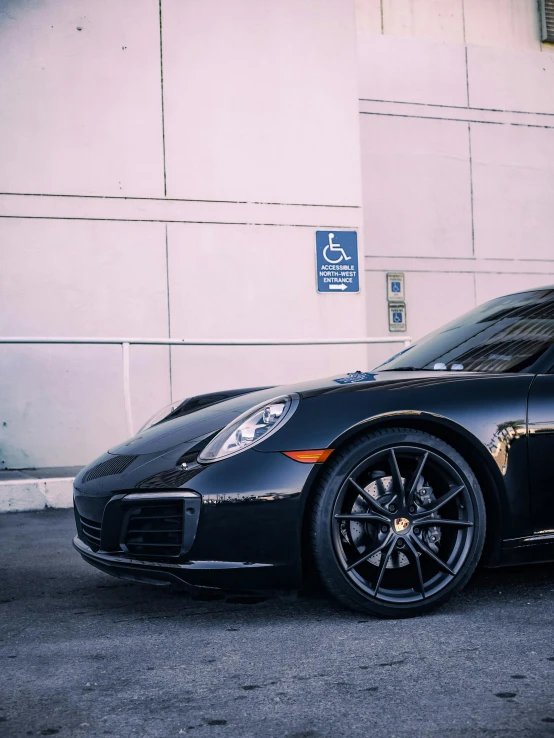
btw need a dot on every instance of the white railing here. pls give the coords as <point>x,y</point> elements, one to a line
<point>126,344</point>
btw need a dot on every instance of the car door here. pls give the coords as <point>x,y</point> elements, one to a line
<point>541,453</point>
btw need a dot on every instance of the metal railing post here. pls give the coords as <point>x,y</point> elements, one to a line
<point>126,342</point>
<point>127,386</point>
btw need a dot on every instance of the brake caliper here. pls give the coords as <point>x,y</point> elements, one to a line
<point>431,535</point>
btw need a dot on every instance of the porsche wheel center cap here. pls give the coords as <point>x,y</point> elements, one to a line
<point>401,525</point>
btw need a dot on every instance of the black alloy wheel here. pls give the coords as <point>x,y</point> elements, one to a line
<point>398,523</point>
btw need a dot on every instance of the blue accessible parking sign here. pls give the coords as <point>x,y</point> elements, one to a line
<point>337,261</point>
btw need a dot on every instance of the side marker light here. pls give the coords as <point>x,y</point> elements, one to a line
<point>310,457</point>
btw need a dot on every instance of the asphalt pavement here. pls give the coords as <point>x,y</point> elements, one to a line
<point>83,654</point>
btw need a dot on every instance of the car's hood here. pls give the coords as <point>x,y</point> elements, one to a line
<point>208,420</point>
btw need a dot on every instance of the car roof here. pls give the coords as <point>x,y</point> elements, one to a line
<point>529,289</point>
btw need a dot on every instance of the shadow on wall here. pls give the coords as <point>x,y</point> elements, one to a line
<point>64,405</point>
<point>10,9</point>
<point>59,403</point>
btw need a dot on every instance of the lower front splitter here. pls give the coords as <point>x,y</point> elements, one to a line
<point>191,575</point>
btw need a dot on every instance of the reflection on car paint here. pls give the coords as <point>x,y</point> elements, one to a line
<point>502,441</point>
<point>353,377</point>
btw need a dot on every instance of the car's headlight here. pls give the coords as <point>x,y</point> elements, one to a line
<point>250,428</point>
<point>160,415</point>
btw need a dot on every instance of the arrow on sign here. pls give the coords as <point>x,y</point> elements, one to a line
<point>337,287</point>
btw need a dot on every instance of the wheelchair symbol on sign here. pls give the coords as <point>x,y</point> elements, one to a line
<point>336,248</point>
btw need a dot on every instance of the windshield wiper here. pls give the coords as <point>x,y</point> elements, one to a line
<point>405,369</point>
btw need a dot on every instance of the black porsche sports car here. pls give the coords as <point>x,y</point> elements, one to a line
<point>390,485</point>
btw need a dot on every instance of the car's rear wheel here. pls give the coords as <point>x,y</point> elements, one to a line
<point>397,523</point>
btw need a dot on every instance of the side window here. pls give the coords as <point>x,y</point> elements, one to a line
<point>508,334</point>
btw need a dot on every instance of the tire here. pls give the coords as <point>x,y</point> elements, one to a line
<point>410,528</point>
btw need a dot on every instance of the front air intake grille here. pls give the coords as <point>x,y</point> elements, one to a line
<point>171,479</point>
<point>90,532</point>
<point>155,529</point>
<point>115,465</point>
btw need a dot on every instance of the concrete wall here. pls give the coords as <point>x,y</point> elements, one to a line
<point>181,204</point>
<point>164,167</point>
<point>457,130</point>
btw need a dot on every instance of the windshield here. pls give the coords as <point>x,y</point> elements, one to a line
<point>504,335</point>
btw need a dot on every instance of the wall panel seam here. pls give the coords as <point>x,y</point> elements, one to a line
<point>459,258</point>
<point>179,199</point>
<point>455,107</point>
<point>407,270</point>
<point>457,120</point>
<point>322,224</point>
<point>162,95</point>
<point>471,190</point>
<point>168,314</point>
<point>467,74</point>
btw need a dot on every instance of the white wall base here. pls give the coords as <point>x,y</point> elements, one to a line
<point>35,494</point>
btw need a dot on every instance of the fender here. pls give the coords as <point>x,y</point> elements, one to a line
<point>466,443</point>
<point>422,420</point>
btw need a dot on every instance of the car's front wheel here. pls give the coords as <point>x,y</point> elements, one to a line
<point>397,523</point>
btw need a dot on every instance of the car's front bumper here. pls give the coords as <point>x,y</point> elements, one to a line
<point>242,525</point>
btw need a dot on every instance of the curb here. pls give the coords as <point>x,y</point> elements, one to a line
<point>20,495</point>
